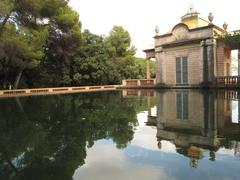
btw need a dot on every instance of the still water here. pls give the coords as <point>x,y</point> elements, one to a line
<point>121,135</point>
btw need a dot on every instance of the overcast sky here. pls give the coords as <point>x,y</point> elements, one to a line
<point>140,17</point>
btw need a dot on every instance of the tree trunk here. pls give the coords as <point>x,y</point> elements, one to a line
<point>17,80</point>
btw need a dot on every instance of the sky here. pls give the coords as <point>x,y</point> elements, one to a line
<point>140,17</point>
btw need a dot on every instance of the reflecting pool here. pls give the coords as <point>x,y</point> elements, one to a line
<point>129,134</point>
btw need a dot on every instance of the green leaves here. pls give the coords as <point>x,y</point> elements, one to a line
<point>42,41</point>
<point>232,40</point>
<point>25,32</point>
<point>118,42</point>
<point>6,7</point>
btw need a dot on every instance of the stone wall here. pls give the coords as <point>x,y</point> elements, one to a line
<point>195,64</point>
<point>167,111</point>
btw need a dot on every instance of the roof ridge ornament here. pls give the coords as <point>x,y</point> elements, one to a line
<point>191,9</point>
<point>225,26</point>
<point>157,30</point>
<point>191,13</point>
<point>210,18</point>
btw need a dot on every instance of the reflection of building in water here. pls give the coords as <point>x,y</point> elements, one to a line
<point>196,122</point>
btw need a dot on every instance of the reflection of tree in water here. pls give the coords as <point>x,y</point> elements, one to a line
<point>47,137</point>
<point>234,145</point>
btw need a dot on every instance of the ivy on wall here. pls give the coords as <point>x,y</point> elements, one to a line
<point>232,40</point>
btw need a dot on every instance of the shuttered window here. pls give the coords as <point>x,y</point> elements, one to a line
<point>178,70</point>
<point>182,105</point>
<point>181,70</point>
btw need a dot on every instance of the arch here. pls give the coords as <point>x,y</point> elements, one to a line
<point>180,25</point>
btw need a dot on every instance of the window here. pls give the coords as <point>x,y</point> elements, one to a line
<point>182,105</point>
<point>181,70</point>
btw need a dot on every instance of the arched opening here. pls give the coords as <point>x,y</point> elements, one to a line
<point>234,63</point>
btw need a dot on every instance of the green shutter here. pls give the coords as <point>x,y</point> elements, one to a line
<point>182,105</point>
<point>181,70</point>
<point>179,105</point>
<point>185,105</point>
<point>178,70</point>
<point>184,70</point>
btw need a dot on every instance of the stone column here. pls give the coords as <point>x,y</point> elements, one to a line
<point>238,62</point>
<point>148,73</point>
<point>210,61</point>
<point>159,65</point>
<point>209,114</point>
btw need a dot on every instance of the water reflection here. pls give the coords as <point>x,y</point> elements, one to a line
<point>197,122</point>
<point>46,137</point>
<point>192,134</point>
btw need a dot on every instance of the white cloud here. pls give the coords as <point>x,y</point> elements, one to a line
<point>105,162</point>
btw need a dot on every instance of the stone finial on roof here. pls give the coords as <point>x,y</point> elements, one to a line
<point>191,13</point>
<point>225,26</point>
<point>191,9</point>
<point>157,30</point>
<point>211,17</point>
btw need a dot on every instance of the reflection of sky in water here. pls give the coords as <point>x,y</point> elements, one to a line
<point>235,111</point>
<point>143,160</point>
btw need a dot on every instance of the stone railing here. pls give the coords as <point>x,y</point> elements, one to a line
<point>139,93</point>
<point>228,80</point>
<point>138,82</point>
<point>58,90</point>
<point>229,95</point>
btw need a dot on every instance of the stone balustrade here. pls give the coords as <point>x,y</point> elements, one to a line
<point>228,80</point>
<point>138,82</point>
<point>58,90</point>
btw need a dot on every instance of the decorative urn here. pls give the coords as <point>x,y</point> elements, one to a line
<point>225,26</point>
<point>157,30</point>
<point>210,17</point>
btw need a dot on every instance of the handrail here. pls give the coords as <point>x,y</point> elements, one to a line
<point>57,90</point>
<point>228,80</point>
<point>138,82</point>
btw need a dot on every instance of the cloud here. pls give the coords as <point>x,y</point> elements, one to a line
<point>105,162</point>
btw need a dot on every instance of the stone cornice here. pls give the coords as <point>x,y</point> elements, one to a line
<point>181,43</point>
<point>192,30</point>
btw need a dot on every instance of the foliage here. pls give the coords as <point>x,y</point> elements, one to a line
<point>120,51</point>
<point>46,137</point>
<point>232,40</point>
<point>39,30</point>
<point>92,65</point>
<point>41,44</point>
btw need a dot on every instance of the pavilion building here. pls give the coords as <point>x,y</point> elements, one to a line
<point>191,54</point>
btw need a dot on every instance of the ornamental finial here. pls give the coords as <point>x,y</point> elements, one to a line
<point>210,17</point>
<point>157,30</point>
<point>225,26</point>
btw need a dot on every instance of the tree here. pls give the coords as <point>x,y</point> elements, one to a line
<point>92,65</point>
<point>61,47</point>
<point>29,21</point>
<point>121,52</point>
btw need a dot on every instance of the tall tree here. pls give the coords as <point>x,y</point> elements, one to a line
<point>92,65</point>
<point>28,21</point>
<point>121,52</point>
